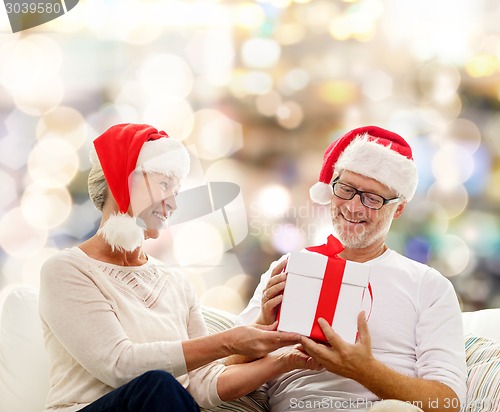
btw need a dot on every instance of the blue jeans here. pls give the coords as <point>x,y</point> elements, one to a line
<point>153,391</point>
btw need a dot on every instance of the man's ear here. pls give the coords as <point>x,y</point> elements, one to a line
<point>399,209</point>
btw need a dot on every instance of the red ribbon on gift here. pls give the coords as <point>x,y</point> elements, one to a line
<point>330,288</point>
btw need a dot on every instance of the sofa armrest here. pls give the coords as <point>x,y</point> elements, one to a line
<point>483,323</point>
<point>24,368</point>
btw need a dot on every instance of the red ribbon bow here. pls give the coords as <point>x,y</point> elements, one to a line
<point>331,248</point>
<point>330,288</point>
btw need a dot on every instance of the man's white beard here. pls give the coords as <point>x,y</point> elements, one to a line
<point>363,237</point>
<point>352,240</point>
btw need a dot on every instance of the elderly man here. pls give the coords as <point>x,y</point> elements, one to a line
<point>411,349</point>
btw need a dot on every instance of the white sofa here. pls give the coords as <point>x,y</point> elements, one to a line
<point>24,367</point>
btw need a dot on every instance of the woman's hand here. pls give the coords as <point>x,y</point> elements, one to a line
<point>273,294</point>
<point>256,341</point>
<point>297,358</point>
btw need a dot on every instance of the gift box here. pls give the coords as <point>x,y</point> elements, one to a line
<point>320,286</point>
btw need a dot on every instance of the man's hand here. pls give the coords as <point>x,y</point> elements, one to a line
<point>273,294</point>
<point>342,358</point>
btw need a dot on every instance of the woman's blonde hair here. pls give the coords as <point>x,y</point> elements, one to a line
<point>97,186</point>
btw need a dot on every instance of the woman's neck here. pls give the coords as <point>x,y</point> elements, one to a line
<point>97,248</point>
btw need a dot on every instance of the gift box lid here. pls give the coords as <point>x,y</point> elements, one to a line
<point>313,265</point>
<point>307,264</point>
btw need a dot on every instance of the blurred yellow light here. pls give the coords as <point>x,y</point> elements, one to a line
<point>290,115</point>
<point>482,65</point>
<point>288,237</point>
<point>338,92</point>
<point>171,114</point>
<point>377,85</point>
<point>340,29</point>
<point>64,123</point>
<point>28,63</point>
<point>215,135</point>
<point>196,242</point>
<point>134,23</point>
<point>290,33</point>
<point>32,266</point>
<point>438,81</point>
<point>225,298</point>
<point>321,234</point>
<point>453,255</point>
<point>147,30</point>
<point>255,82</point>
<point>41,99</point>
<point>493,184</point>
<point>294,80</point>
<point>53,163</point>
<point>29,72</point>
<point>464,133</point>
<point>46,208</point>
<point>241,283</point>
<point>260,53</point>
<point>165,74</point>
<point>453,199</point>
<point>197,279</point>
<point>226,170</point>
<point>452,165</point>
<point>273,201</point>
<point>18,238</point>
<point>249,16</point>
<point>280,4</point>
<point>211,55</point>
<point>356,25</point>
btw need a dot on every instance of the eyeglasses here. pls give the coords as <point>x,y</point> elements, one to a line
<point>370,200</point>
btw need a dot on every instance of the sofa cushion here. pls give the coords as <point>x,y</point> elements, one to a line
<point>24,366</point>
<point>483,374</point>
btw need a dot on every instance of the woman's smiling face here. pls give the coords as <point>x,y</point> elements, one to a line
<point>152,200</point>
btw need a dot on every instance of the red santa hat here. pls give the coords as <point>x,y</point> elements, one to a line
<point>121,150</point>
<point>372,152</point>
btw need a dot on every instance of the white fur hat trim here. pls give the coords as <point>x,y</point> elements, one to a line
<point>321,193</point>
<point>121,232</point>
<point>379,162</point>
<point>166,156</point>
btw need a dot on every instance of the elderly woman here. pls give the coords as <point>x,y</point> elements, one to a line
<point>124,332</point>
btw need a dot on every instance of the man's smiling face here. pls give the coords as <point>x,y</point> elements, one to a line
<point>355,225</point>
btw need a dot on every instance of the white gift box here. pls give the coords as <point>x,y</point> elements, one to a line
<point>306,273</point>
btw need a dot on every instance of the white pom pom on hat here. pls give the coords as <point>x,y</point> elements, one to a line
<point>120,151</point>
<point>373,152</point>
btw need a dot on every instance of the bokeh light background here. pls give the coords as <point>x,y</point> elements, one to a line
<point>257,90</point>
